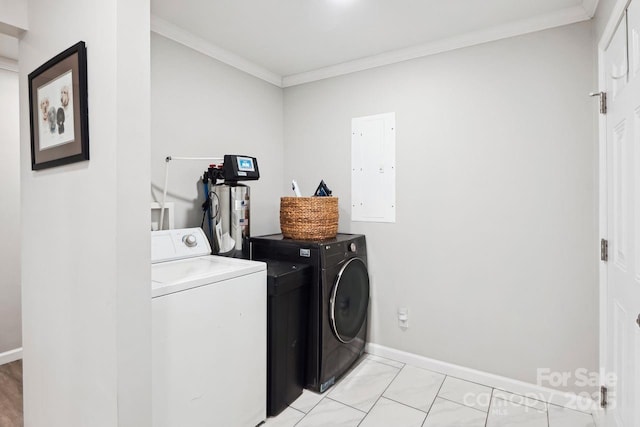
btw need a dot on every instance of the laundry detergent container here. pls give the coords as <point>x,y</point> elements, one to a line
<point>287,313</point>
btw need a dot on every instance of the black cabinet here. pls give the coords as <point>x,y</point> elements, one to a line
<point>287,314</point>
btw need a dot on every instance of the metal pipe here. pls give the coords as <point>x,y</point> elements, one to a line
<point>169,158</point>
<point>166,180</point>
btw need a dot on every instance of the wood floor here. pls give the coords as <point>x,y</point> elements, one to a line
<point>11,394</point>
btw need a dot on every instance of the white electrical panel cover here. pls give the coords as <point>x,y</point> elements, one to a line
<point>373,168</point>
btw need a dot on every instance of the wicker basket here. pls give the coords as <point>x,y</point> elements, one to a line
<point>309,218</point>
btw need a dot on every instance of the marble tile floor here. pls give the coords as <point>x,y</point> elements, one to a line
<point>379,392</point>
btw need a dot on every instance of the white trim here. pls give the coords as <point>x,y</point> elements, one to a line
<point>186,38</point>
<point>590,7</point>
<point>516,28</point>
<point>548,395</point>
<point>612,24</point>
<point>559,18</point>
<point>603,218</point>
<point>11,30</point>
<point>10,356</point>
<point>8,64</point>
<point>598,417</point>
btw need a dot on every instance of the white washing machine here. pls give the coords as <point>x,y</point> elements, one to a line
<point>209,334</point>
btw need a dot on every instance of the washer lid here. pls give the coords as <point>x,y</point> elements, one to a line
<point>175,276</point>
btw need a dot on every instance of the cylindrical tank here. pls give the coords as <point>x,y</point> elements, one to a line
<point>230,216</point>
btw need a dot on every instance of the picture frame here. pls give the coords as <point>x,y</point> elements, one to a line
<point>58,109</point>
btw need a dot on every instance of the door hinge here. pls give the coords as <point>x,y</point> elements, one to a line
<point>604,250</point>
<point>603,101</point>
<point>604,391</point>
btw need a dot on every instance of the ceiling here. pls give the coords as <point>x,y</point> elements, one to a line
<point>291,40</point>
<point>288,42</point>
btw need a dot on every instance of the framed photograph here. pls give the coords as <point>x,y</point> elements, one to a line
<point>59,111</point>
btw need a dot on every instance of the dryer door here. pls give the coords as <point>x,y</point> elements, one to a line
<point>349,300</point>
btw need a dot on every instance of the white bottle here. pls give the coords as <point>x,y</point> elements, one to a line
<point>295,188</point>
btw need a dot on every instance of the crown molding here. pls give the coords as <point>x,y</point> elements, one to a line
<point>190,40</point>
<point>11,30</point>
<point>580,13</point>
<point>516,28</point>
<point>8,64</point>
<point>590,7</point>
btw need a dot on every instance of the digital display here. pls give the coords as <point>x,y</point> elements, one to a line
<point>240,168</point>
<point>246,164</point>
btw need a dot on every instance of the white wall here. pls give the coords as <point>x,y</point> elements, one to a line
<point>8,52</point>
<point>494,248</point>
<point>10,312</point>
<point>13,16</point>
<point>86,249</point>
<point>601,18</point>
<point>201,107</point>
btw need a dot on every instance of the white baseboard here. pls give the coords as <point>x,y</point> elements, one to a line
<point>10,356</point>
<point>555,397</point>
<point>597,417</point>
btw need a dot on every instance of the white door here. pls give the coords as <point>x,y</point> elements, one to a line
<point>622,61</point>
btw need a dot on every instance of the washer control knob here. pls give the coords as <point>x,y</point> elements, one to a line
<point>352,247</point>
<point>190,240</point>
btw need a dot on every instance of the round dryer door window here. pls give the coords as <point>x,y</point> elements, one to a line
<point>349,300</point>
